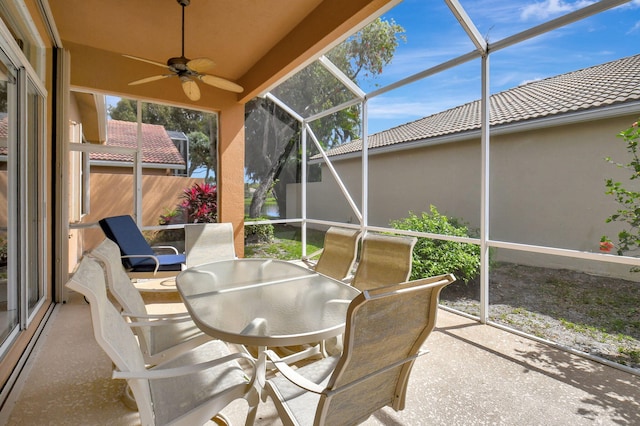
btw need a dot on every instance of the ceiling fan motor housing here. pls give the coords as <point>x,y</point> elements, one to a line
<point>179,65</point>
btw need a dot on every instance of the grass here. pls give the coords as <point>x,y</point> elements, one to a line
<point>287,243</point>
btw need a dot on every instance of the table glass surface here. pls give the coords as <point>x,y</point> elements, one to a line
<point>264,302</point>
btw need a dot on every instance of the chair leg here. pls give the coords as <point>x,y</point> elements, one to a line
<point>253,399</point>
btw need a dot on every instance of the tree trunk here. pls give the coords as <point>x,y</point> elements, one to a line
<point>266,183</point>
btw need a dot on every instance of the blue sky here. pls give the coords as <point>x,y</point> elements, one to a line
<point>433,37</point>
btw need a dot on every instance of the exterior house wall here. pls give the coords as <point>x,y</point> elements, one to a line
<point>547,188</point>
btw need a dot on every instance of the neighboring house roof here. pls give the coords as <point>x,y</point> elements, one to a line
<point>157,146</point>
<point>175,135</point>
<point>4,129</point>
<point>600,86</point>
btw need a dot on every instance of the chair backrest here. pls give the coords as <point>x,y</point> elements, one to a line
<point>110,330</point>
<point>385,329</point>
<point>126,234</point>
<point>208,242</point>
<point>120,285</point>
<point>339,252</point>
<point>384,260</point>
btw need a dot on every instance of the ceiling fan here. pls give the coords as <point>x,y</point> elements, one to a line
<point>188,70</point>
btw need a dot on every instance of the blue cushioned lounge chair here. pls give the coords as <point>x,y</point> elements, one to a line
<point>138,257</point>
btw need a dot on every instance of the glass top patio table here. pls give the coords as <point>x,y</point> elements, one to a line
<point>264,302</point>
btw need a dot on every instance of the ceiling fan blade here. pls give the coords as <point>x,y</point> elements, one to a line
<point>201,64</point>
<point>149,61</point>
<point>221,83</point>
<point>149,79</point>
<point>190,88</point>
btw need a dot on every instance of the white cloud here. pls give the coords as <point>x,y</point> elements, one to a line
<point>407,110</point>
<point>550,8</point>
<point>635,28</point>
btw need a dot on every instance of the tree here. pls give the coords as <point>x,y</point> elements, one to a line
<point>202,151</point>
<point>199,153</point>
<point>273,136</point>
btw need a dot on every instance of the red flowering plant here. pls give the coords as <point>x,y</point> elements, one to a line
<point>606,245</point>
<point>200,203</point>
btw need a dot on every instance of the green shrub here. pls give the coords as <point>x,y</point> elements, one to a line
<point>627,197</point>
<point>435,257</point>
<point>261,233</point>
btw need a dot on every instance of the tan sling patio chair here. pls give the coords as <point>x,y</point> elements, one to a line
<point>208,242</point>
<point>161,336</point>
<point>385,329</point>
<point>338,253</point>
<point>336,260</point>
<point>385,259</point>
<point>188,390</point>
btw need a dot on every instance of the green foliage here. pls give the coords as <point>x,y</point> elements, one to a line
<point>200,153</point>
<point>171,217</point>
<point>196,124</point>
<point>260,233</point>
<point>627,199</point>
<point>286,243</point>
<point>369,50</point>
<point>272,136</point>
<point>172,118</point>
<point>3,251</point>
<point>435,257</point>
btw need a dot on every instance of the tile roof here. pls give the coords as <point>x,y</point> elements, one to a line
<point>4,130</point>
<point>157,146</point>
<point>603,85</point>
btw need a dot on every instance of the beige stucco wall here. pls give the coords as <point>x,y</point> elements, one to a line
<point>112,194</point>
<point>547,188</point>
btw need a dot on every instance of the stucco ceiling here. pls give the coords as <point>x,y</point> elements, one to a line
<point>253,42</point>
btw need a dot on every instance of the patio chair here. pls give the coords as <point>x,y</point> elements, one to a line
<point>161,336</point>
<point>385,329</point>
<point>208,242</point>
<point>385,259</point>
<point>339,252</point>
<point>138,257</point>
<point>336,260</point>
<point>190,389</point>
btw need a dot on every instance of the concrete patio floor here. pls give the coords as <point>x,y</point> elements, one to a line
<point>474,375</point>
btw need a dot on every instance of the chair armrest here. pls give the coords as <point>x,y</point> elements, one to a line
<point>170,248</point>
<point>162,373</point>
<point>291,375</point>
<point>175,317</point>
<point>145,256</point>
<point>157,322</point>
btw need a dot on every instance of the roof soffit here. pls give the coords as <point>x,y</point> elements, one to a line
<point>253,43</point>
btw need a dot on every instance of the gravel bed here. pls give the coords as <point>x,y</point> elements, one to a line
<point>592,314</point>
